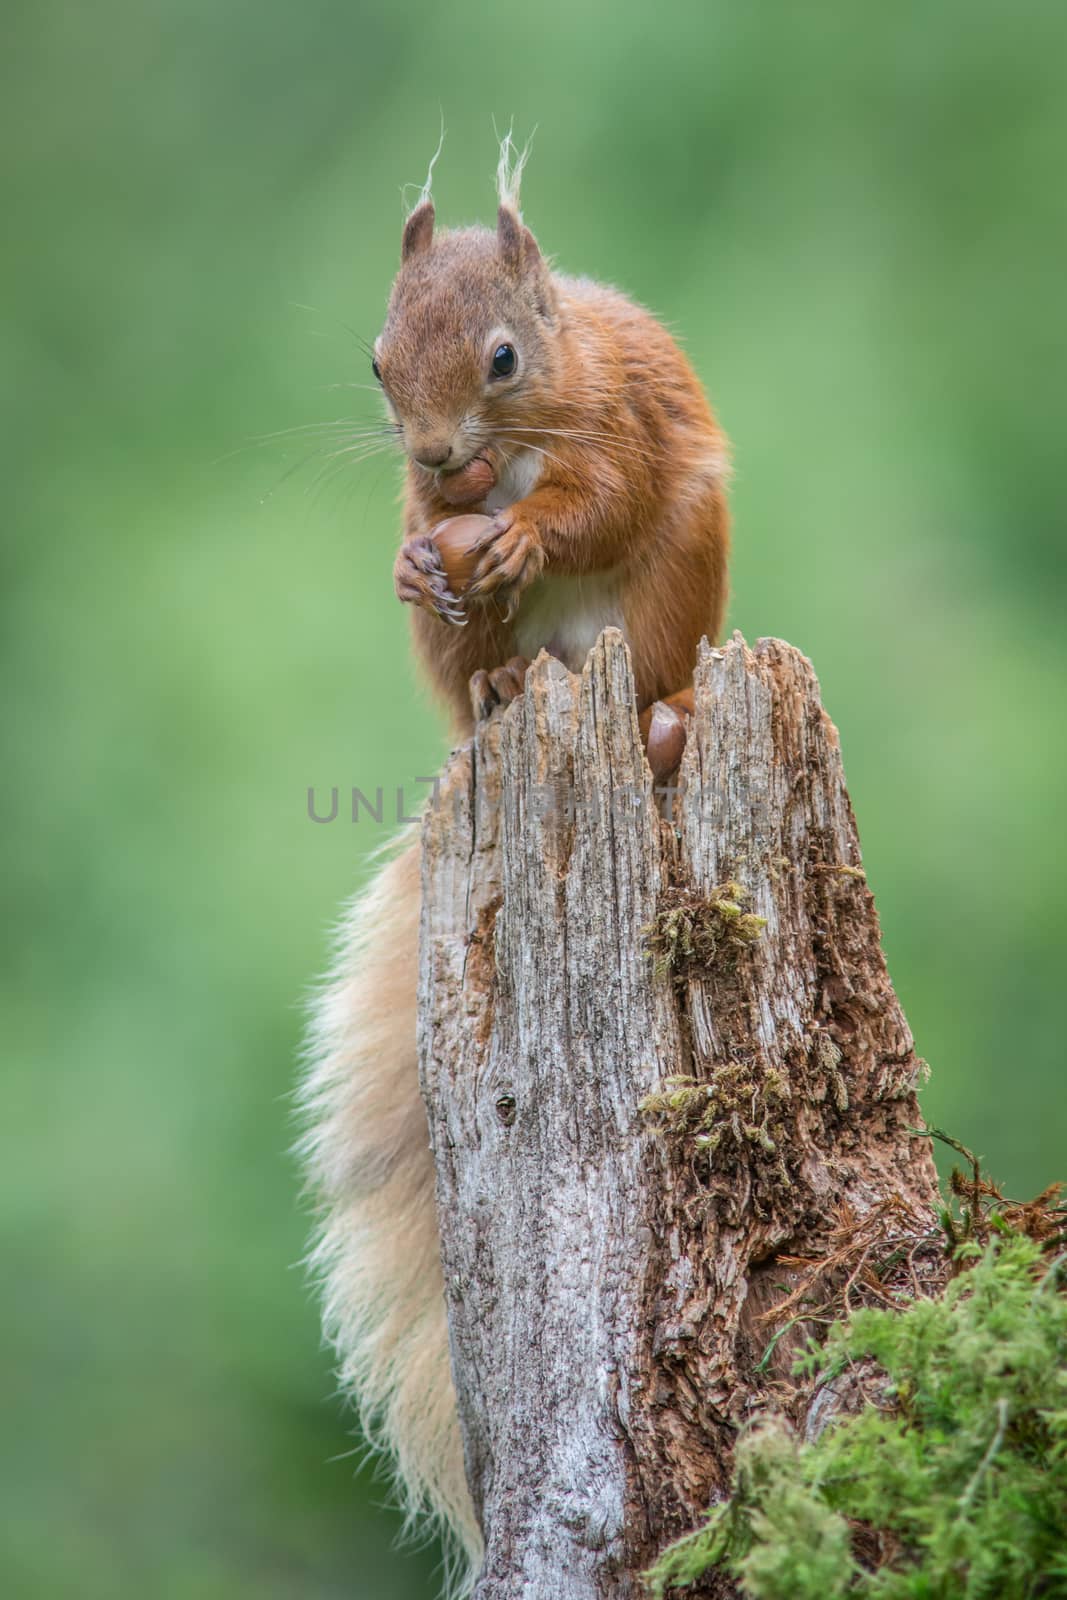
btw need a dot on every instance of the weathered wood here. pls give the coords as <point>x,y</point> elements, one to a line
<point>609,1237</point>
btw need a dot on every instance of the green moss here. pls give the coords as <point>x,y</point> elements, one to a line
<point>737,1104</point>
<point>953,1486</point>
<point>692,934</point>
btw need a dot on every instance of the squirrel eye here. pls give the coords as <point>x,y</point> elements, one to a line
<point>503,363</point>
<point>376,369</point>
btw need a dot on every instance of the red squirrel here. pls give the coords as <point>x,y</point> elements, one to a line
<point>605,467</point>
<point>571,418</point>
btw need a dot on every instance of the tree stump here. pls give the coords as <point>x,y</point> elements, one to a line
<point>656,1055</point>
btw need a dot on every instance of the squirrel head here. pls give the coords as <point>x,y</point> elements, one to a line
<point>470,352</point>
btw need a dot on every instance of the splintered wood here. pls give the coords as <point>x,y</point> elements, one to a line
<point>656,1055</point>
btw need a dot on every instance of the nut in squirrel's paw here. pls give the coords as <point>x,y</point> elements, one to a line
<point>420,579</point>
<point>511,557</point>
<point>470,484</point>
<point>460,542</point>
<point>484,556</point>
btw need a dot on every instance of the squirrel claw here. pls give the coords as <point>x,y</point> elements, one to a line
<point>420,579</point>
<point>449,609</point>
<point>483,701</point>
<point>498,687</point>
<point>512,558</point>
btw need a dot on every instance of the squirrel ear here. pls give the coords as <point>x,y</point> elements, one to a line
<point>418,231</point>
<point>518,246</point>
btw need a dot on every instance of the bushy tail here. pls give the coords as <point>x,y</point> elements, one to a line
<point>369,1163</point>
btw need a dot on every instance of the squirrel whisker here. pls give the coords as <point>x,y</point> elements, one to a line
<point>336,466</point>
<point>539,450</point>
<point>340,425</point>
<point>328,431</point>
<point>588,438</point>
<point>366,451</point>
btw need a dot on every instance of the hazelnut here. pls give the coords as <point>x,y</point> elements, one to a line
<point>664,730</point>
<point>460,541</point>
<point>469,485</point>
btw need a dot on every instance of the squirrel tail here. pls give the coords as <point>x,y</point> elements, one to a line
<point>369,1165</point>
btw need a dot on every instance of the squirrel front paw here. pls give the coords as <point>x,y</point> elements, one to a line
<point>420,580</point>
<point>511,557</point>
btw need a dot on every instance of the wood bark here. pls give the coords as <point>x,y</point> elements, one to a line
<point>625,1144</point>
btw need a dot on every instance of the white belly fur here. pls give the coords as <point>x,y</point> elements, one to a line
<point>565,616</point>
<point>518,478</point>
<point>561,615</point>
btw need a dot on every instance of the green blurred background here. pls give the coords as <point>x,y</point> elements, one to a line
<point>855,216</point>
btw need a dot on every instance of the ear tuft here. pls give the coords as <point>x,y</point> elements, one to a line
<point>418,231</point>
<point>518,247</point>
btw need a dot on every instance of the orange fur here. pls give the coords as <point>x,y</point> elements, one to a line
<point>632,463</point>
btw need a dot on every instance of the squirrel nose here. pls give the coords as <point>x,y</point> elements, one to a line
<point>433,455</point>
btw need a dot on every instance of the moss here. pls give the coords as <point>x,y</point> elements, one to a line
<point>827,1057</point>
<point>736,1106</point>
<point>694,934</point>
<point>951,1484</point>
<point>842,869</point>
